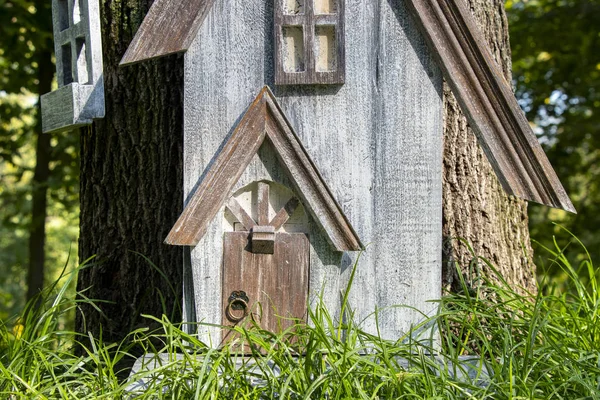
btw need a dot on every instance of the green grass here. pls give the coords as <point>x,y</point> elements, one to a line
<point>533,346</point>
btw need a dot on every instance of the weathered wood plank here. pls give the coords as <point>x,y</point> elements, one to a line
<point>310,185</point>
<point>284,214</point>
<point>488,102</point>
<point>242,216</point>
<point>263,203</point>
<point>169,27</point>
<point>216,186</point>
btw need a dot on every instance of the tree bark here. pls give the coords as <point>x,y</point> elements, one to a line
<point>131,185</point>
<point>476,209</point>
<point>39,195</point>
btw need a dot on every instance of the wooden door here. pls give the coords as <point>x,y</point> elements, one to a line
<point>267,283</point>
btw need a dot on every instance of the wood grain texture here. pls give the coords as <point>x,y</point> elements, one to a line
<point>489,103</point>
<point>309,21</point>
<point>79,98</point>
<point>376,140</point>
<point>276,284</point>
<point>263,119</point>
<point>169,27</point>
<point>131,193</point>
<point>242,216</point>
<point>263,203</point>
<point>284,214</point>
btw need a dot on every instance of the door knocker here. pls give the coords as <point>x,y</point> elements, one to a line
<point>238,301</point>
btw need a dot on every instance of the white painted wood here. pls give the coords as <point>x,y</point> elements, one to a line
<point>78,49</point>
<point>376,140</point>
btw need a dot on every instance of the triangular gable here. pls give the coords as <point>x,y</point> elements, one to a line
<point>263,120</point>
<point>455,40</point>
<point>488,102</point>
<point>169,27</point>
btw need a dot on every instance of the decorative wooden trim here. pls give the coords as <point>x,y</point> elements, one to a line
<point>169,27</point>
<point>284,214</point>
<point>79,98</point>
<point>263,203</point>
<point>240,214</point>
<point>488,102</point>
<point>263,119</point>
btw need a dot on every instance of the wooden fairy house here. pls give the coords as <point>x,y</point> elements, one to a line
<point>314,127</point>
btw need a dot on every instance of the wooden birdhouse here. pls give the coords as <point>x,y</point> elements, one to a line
<point>313,127</point>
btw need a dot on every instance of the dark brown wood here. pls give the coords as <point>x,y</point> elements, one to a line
<point>276,284</point>
<point>131,189</point>
<point>309,21</point>
<point>284,214</point>
<point>263,118</point>
<point>487,100</point>
<point>169,27</point>
<point>263,239</point>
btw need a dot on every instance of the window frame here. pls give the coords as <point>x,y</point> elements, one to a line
<point>309,21</point>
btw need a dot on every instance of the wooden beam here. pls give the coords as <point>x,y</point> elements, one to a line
<point>224,172</point>
<point>169,27</point>
<point>242,216</point>
<point>285,213</point>
<point>488,101</point>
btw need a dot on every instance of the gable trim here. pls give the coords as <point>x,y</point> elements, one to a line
<point>488,102</point>
<point>264,119</point>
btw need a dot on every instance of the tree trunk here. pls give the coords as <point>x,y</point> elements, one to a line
<point>39,198</point>
<point>475,207</point>
<point>131,185</point>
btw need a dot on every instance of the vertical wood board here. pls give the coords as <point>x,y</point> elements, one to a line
<point>276,284</point>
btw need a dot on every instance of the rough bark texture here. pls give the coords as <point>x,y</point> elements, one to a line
<point>131,185</point>
<point>475,207</point>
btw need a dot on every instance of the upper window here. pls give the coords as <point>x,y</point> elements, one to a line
<point>309,42</point>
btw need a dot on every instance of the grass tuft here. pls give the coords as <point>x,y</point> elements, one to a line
<point>496,343</point>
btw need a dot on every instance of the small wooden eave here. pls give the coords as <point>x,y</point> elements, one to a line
<point>169,27</point>
<point>264,120</point>
<point>489,103</point>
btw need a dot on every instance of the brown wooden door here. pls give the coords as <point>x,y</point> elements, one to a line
<point>265,271</point>
<point>276,285</point>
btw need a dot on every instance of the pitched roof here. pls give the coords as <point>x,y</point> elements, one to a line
<point>263,120</point>
<point>485,96</point>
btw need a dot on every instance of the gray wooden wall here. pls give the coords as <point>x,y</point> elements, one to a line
<point>377,141</point>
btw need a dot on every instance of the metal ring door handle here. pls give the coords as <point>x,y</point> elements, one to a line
<point>237,301</point>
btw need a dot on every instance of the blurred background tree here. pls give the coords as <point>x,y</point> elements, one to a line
<point>556,70</point>
<point>38,196</point>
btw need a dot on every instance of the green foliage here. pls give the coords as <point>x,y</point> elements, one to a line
<point>521,346</point>
<point>556,64</point>
<point>26,37</point>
